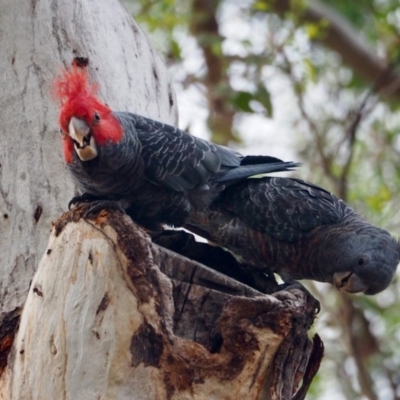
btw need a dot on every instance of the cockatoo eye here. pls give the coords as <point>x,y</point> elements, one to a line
<point>96,117</point>
<point>62,133</point>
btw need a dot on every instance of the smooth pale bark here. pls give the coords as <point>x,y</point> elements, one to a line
<point>37,38</point>
<point>110,316</point>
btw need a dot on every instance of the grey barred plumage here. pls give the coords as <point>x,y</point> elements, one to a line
<point>157,172</point>
<point>161,173</point>
<point>300,231</point>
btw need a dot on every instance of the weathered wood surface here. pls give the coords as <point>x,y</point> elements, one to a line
<point>110,315</point>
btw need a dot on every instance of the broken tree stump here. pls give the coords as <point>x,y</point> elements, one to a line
<point>111,315</point>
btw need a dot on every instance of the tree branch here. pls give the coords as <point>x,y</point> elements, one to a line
<point>204,27</point>
<point>341,37</point>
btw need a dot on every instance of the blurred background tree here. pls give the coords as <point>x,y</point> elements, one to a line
<point>318,82</point>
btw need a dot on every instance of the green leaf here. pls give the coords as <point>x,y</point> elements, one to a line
<point>175,50</point>
<point>242,101</point>
<point>311,70</point>
<point>264,98</point>
<point>261,6</point>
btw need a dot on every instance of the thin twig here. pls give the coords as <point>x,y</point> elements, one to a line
<point>360,114</point>
<point>325,159</point>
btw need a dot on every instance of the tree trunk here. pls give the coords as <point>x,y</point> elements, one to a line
<point>37,38</point>
<point>109,314</point>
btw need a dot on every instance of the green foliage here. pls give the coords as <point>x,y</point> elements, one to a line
<point>161,19</point>
<point>175,50</point>
<point>375,19</point>
<point>260,5</point>
<point>358,13</point>
<point>312,72</point>
<point>244,101</point>
<point>163,15</point>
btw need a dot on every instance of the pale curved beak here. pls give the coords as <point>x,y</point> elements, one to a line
<point>84,143</point>
<point>348,282</point>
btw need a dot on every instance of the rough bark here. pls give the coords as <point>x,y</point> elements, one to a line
<point>37,38</point>
<point>111,315</point>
